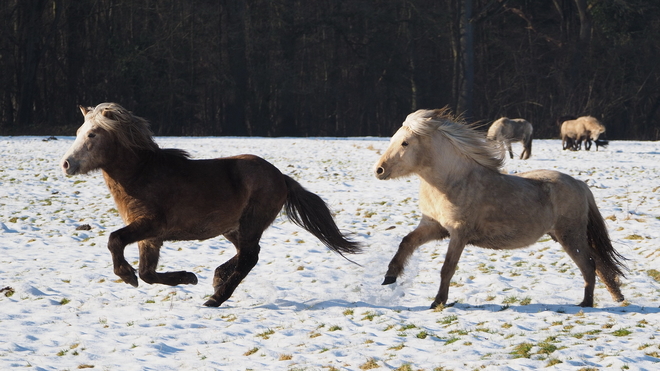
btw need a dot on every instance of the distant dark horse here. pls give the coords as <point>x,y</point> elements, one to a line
<point>162,195</point>
<point>465,196</point>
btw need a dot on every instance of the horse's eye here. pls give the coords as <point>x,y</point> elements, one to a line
<point>404,144</point>
<point>91,135</point>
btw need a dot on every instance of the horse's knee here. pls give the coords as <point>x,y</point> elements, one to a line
<point>115,244</point>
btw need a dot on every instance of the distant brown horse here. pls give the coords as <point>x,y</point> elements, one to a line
<point>504,131</point>
<point>464,196</point>
<point>162,195</point>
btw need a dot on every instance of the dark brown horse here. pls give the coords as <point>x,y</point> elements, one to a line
<point>163,195</point>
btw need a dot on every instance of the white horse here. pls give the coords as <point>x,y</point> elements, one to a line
<point>506,130</point>
<point>464,196</point>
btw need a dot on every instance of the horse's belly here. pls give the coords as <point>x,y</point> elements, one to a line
<point>508,241</point>
<point>201,229</point>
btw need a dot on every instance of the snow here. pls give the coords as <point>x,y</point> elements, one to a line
<point>305,308</point>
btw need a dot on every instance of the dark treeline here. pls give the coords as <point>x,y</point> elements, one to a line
<point>329,67</point>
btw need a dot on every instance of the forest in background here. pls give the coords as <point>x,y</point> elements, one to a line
<point>329,67</point>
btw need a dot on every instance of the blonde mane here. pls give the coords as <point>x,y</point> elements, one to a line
<point>462,136</point>
<point>131,131</point>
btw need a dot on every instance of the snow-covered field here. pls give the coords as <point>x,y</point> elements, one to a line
<point>304,307</point>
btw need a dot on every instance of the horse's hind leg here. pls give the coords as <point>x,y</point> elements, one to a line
<point>426,231</point>
<point>527,151</point>
<point>223,272</point>
<point>149,254</point>
<point>229,275</point>
<point>574,242</point>
<point>226,280</point>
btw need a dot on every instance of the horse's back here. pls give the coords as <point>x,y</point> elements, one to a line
<point>522,128</point>
<point>569,196</point>
<point>572,128</point>
<point>592,125</point>
<point>250,175</point>
<point>208,197</point>
<point>506,128</point>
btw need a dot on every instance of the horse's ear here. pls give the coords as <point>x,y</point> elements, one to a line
<point>109,113</point>
<point>84,110</point>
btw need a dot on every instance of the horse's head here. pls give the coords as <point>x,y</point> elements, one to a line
<point>106,129</point>
<point>432,138</point>
<point>408,147</point>
<point>400,158</point>
<point>596,130</point>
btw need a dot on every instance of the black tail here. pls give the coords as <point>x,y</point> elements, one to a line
<point>600,242</point>
<point>310,212</point>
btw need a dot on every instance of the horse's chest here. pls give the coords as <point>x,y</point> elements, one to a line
<point>436,205</point>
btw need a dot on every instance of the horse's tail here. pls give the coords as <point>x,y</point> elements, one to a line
<point>310,212</point>
<point>609,263</point>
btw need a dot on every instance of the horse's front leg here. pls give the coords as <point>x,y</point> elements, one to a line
<point>508,147</point>
<point>134,232</point>
<point>149,254</point>
<point>454,251</point>
<point>426,231</point>
<point>587,144</point>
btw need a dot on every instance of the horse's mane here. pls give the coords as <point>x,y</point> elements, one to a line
<point>131,131</point>
<point>462,136</point>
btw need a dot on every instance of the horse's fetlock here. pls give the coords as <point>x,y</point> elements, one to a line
<point>149,277</point>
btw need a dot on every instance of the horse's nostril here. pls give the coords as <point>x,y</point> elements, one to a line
<point>380,170</point>
<point>65,165</point>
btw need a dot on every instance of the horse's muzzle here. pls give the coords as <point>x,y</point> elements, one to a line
<point>380,173</point>
<point>69,167</point>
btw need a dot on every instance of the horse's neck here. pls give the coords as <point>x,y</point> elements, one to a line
<point>451,173</point>
<point>443,165</point>
<point>125,173</point>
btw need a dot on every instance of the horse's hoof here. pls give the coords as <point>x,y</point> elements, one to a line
<point>435,305</point>
<point>212,303</point>
<point>191,279</point>
<point>586,305</point>
<point>388,280</point>
<point>131,280</point>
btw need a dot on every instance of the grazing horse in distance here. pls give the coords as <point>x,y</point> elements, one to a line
<point>163,195</point>
<point>583,129</point>
<point>465,197</point>
<point>592,130</point>
<point>506,130</point>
